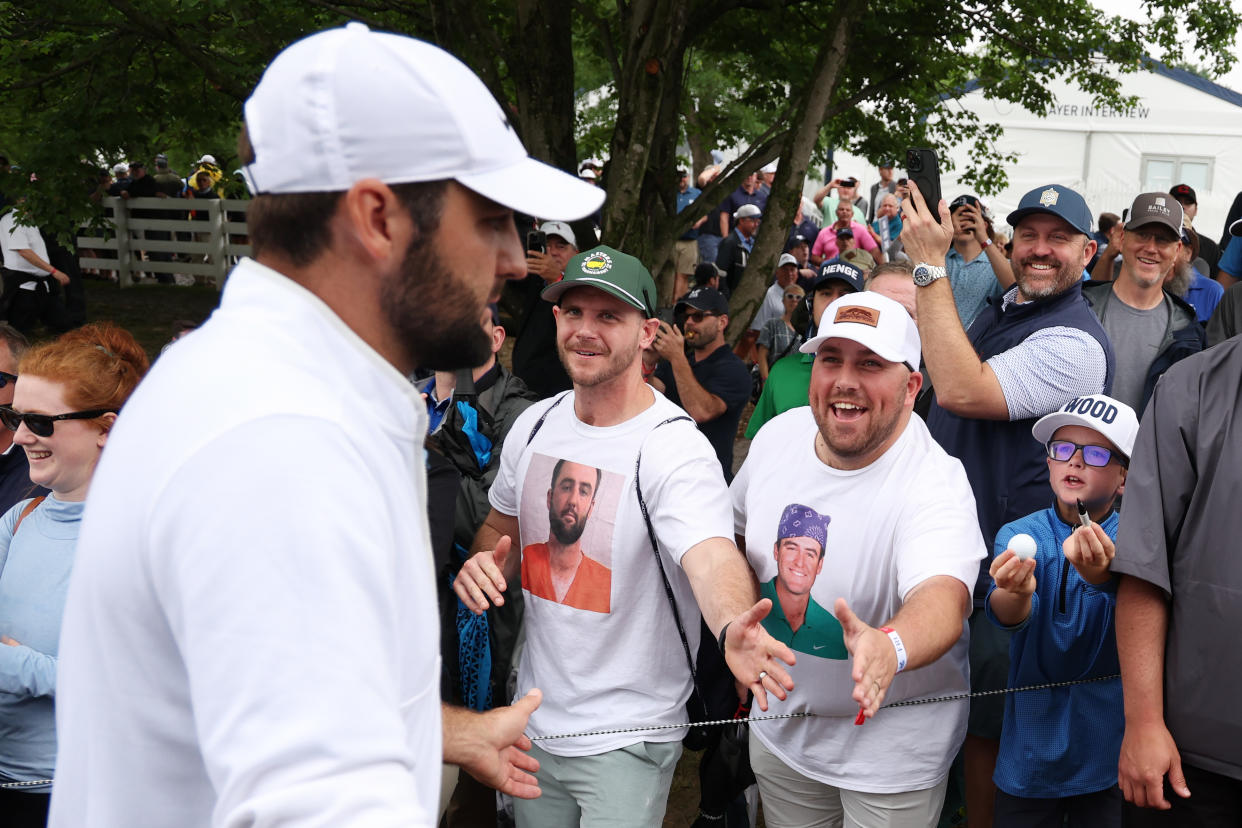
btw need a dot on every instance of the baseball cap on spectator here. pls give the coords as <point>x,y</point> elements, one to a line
<point>1184,194</point>
<point>703,299</point>
<point>587,174</point>
<point>769,167</point>
<point>795,240</point>
<point>786,259</point>
<point>845,233</point>
<point>1098,412</point>
<point>615,273</point>
<point>559,228</point>
<point>119,168</point>
<point>161,160</point>
<point>137,163</point>
<point>747,211</point>
<point>318,121</point>
<point>873,321</point>
<point>1235,229</point>
<point>206,159</point>
<point>705,271</point>
<point>1055,200</point>
<point>1156,208</point>
<point>838,268</point>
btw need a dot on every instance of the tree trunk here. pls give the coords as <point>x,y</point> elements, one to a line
<point>543,81</point>
<point>795,154</point>
<point>641,166</point>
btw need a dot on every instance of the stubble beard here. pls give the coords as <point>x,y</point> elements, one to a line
<point>876,434</point>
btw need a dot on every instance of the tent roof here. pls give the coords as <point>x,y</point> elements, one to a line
<point>1182,76</point>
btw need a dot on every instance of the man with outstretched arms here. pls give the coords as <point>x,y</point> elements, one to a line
<point>607,457</point>
<point>850,504</point>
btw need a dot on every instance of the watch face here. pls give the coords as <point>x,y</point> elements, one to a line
<point>924,275</point>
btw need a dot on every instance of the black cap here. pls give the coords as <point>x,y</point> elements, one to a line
<point>1184,194</point>
<point>839,268</point>
<point>845,233</point>
<point>962,201</point>
<point>795,240</point>
<point>703,299</point>
<point>705,272</point>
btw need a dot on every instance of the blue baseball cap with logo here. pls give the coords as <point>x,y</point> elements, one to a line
<point>1055,200</point>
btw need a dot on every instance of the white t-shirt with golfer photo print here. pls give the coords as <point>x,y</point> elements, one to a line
<point>605,652</point>
<point>907,517</point>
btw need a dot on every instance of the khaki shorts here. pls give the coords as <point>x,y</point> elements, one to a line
<point>687,256</point>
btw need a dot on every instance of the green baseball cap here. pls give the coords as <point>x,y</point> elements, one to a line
<point>617,274</point>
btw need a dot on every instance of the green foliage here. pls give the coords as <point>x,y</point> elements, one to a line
<point>91,82</point>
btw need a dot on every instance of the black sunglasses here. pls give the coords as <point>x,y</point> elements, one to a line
<point>699,316</point>
<point>6,378</point>
<point>42,425</point>
<point>1096,456</point>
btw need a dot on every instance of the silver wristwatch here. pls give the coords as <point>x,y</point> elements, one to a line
<point>925,274</point>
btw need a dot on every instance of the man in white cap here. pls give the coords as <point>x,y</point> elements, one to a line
<point>735,248</point>
<point>251,633</point>
<point>903,547</point>
<point>535,359</point>
<point>773,306</point>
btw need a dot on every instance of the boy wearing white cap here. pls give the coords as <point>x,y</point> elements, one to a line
<point>1059,746</point>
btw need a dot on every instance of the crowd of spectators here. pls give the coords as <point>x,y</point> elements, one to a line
<point>972,560</point>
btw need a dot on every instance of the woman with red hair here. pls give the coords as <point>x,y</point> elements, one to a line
<point>67,396</point>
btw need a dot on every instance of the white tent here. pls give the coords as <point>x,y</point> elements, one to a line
<point>1183,130</point>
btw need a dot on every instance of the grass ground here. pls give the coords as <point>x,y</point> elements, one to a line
<point>148,310</point>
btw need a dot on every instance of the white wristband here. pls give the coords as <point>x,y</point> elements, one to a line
<point>898,645</point>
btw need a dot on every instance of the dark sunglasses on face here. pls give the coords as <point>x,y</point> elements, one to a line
<point>787,296</point>
<point>699,316</point>
<point>6,378</point>
<point>42,425</point>
<point>1096,456</point>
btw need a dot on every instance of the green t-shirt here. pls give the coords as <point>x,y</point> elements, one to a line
<point>787,387</point>
<point>820,634</point>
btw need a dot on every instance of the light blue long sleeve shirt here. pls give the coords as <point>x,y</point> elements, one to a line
<point>34,577</point>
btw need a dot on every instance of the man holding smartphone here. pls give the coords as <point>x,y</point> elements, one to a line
<point>535,362</point>
<point>1025,356</point>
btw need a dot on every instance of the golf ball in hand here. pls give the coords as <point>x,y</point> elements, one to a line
<point>1023,546</point>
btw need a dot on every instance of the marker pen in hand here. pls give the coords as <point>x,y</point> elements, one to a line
<point>1083,517</point>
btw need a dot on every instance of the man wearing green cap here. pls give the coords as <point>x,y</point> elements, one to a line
<point>619,665</point>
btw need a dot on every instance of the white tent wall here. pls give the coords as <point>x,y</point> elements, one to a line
<point>1100,151</point>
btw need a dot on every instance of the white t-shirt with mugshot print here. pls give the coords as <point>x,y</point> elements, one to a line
<point>907,517</point>
<point>624,667</point>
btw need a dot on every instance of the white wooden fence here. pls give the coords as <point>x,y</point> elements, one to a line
<point>211,244</point>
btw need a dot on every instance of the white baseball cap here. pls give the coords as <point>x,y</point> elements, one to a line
<point>1098,412</point>
<point>347,104</point>
<point>747,211</point>
<point>559,228</point>
<point>873,321</point>
<point>206,159</point>
<point>787,259</point>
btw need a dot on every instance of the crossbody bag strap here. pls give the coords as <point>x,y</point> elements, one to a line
<point>30,507</point>
<point>539,423</point>
<point>655,548</point>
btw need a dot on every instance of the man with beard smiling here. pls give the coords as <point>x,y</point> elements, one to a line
<point>906,547</point>
<point>710,382</point>
<point>1150,327</point>
<point>559,570</point>
<point>1024,357</point>
<point>608,671</point>
<point>251,633</point>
